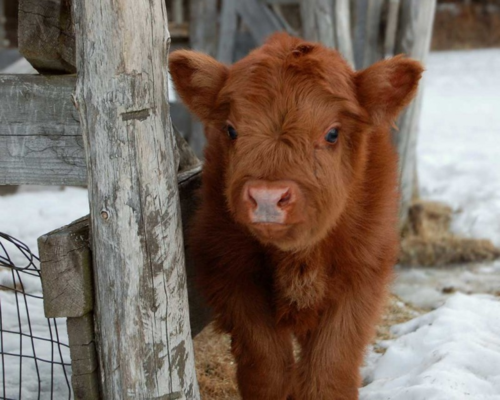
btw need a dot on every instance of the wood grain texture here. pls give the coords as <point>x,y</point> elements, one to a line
<point>228,31</point>
<point>142,316</point>
<point>413,39</point>
<point>318,21</point>
<point>368,43</point>
<point>258,18</point>
<point>343,30</point>
<point>391,28</point>
<point>40,134</point>
<point>46,35</point>
<point>84,365</point>
<point>202,37</point>
<point>40,138</point>
<point>66,270</point>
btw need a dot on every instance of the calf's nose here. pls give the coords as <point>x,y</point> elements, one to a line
<point>269,202</point>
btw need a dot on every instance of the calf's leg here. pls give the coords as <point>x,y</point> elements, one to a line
<point>333,353</point>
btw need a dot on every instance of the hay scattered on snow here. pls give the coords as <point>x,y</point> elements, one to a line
<point>428,241</point>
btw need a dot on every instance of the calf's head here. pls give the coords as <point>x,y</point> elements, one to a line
<point>287,130</point>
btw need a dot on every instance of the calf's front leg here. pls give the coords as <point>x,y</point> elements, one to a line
<point>333,353</point>
<point>263,351</point>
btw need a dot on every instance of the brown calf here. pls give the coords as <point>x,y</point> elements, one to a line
<point>296,234</point>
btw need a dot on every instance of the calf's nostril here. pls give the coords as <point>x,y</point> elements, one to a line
<point>252,200</point>
<point>285,199</point>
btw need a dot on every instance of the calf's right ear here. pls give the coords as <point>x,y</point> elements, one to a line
<point>198,79</point>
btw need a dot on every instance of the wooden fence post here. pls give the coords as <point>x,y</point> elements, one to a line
<point>141,310</point>
<point>202,37</point>
<point>414,40</point>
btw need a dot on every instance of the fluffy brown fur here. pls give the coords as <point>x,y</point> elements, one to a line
<point>323,278</point>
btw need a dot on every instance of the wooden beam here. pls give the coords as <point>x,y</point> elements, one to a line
<point>258,18</point>
<point>84,365</point>
<point>141,312</point>
<point>391,28</point>
<point>202,37</point>
<point>40,134</point>
<point>40,139</point>
<point>66,269</point>
<point>413,39</point>
<point>368,46</point>
<point>46,35</point>
<point>343,30</point>
<point>228,31</point>
<point>318,22</point>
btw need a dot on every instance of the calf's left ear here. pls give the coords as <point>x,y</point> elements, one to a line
<point>198,79</point>
<point>387,86</point>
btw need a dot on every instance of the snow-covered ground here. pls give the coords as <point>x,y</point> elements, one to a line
<point>459,139</point>
<point>26,216</point>
<point>450,353</point>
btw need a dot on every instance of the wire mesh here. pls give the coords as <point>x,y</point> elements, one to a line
<point>34,353</point>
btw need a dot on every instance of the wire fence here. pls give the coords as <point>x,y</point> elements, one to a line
<point>35,361</point>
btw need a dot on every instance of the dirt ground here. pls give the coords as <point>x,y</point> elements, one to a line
<point>216,369</point>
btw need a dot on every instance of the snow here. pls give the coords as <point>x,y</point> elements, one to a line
<point>428,288</point>
<point>450,353</point>
<point>459,139</point>
<point>26,216</point>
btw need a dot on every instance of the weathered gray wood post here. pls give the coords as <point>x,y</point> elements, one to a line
<point>202,37</point>
<point>414,40</point>
<point>141,311</point>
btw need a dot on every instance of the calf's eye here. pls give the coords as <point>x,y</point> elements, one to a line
<point>332,135</point>
<point>231,132</point>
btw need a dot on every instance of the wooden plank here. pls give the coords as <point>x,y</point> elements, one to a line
<point>142,316</point>
<point>38,105</point>
<point>203,26</point>
<point>368,41</point>
<point>40,134</point>
<point>66,271</point>
<point>46,35</point>
<point>178,11</point>
<point>82,344</point>
<point>258,18</point>
<point>391,28</point>
<point>359,31</point>
<point>318,22</point>
<point>202,37</point>
<point>42,160</point>
<point>84,365</point>
<point>414,39</point>
<point>343,30</point>
<point>283,2</point>
<point>3,34</point>
<point>40,139</point>
<point>228,31</point>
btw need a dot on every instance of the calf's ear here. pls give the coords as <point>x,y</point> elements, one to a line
<point>198,79</point>
<point>387,86</point>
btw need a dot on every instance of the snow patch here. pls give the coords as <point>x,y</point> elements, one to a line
<point>459,139</point>
<point>450,353</point>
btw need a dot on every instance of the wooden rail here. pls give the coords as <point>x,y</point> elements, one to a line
<point>40,135</point>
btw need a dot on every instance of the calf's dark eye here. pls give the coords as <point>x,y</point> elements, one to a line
<point>231,132</point>
<point>332,135</point>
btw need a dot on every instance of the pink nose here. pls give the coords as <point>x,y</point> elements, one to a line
<point>269,202</point>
